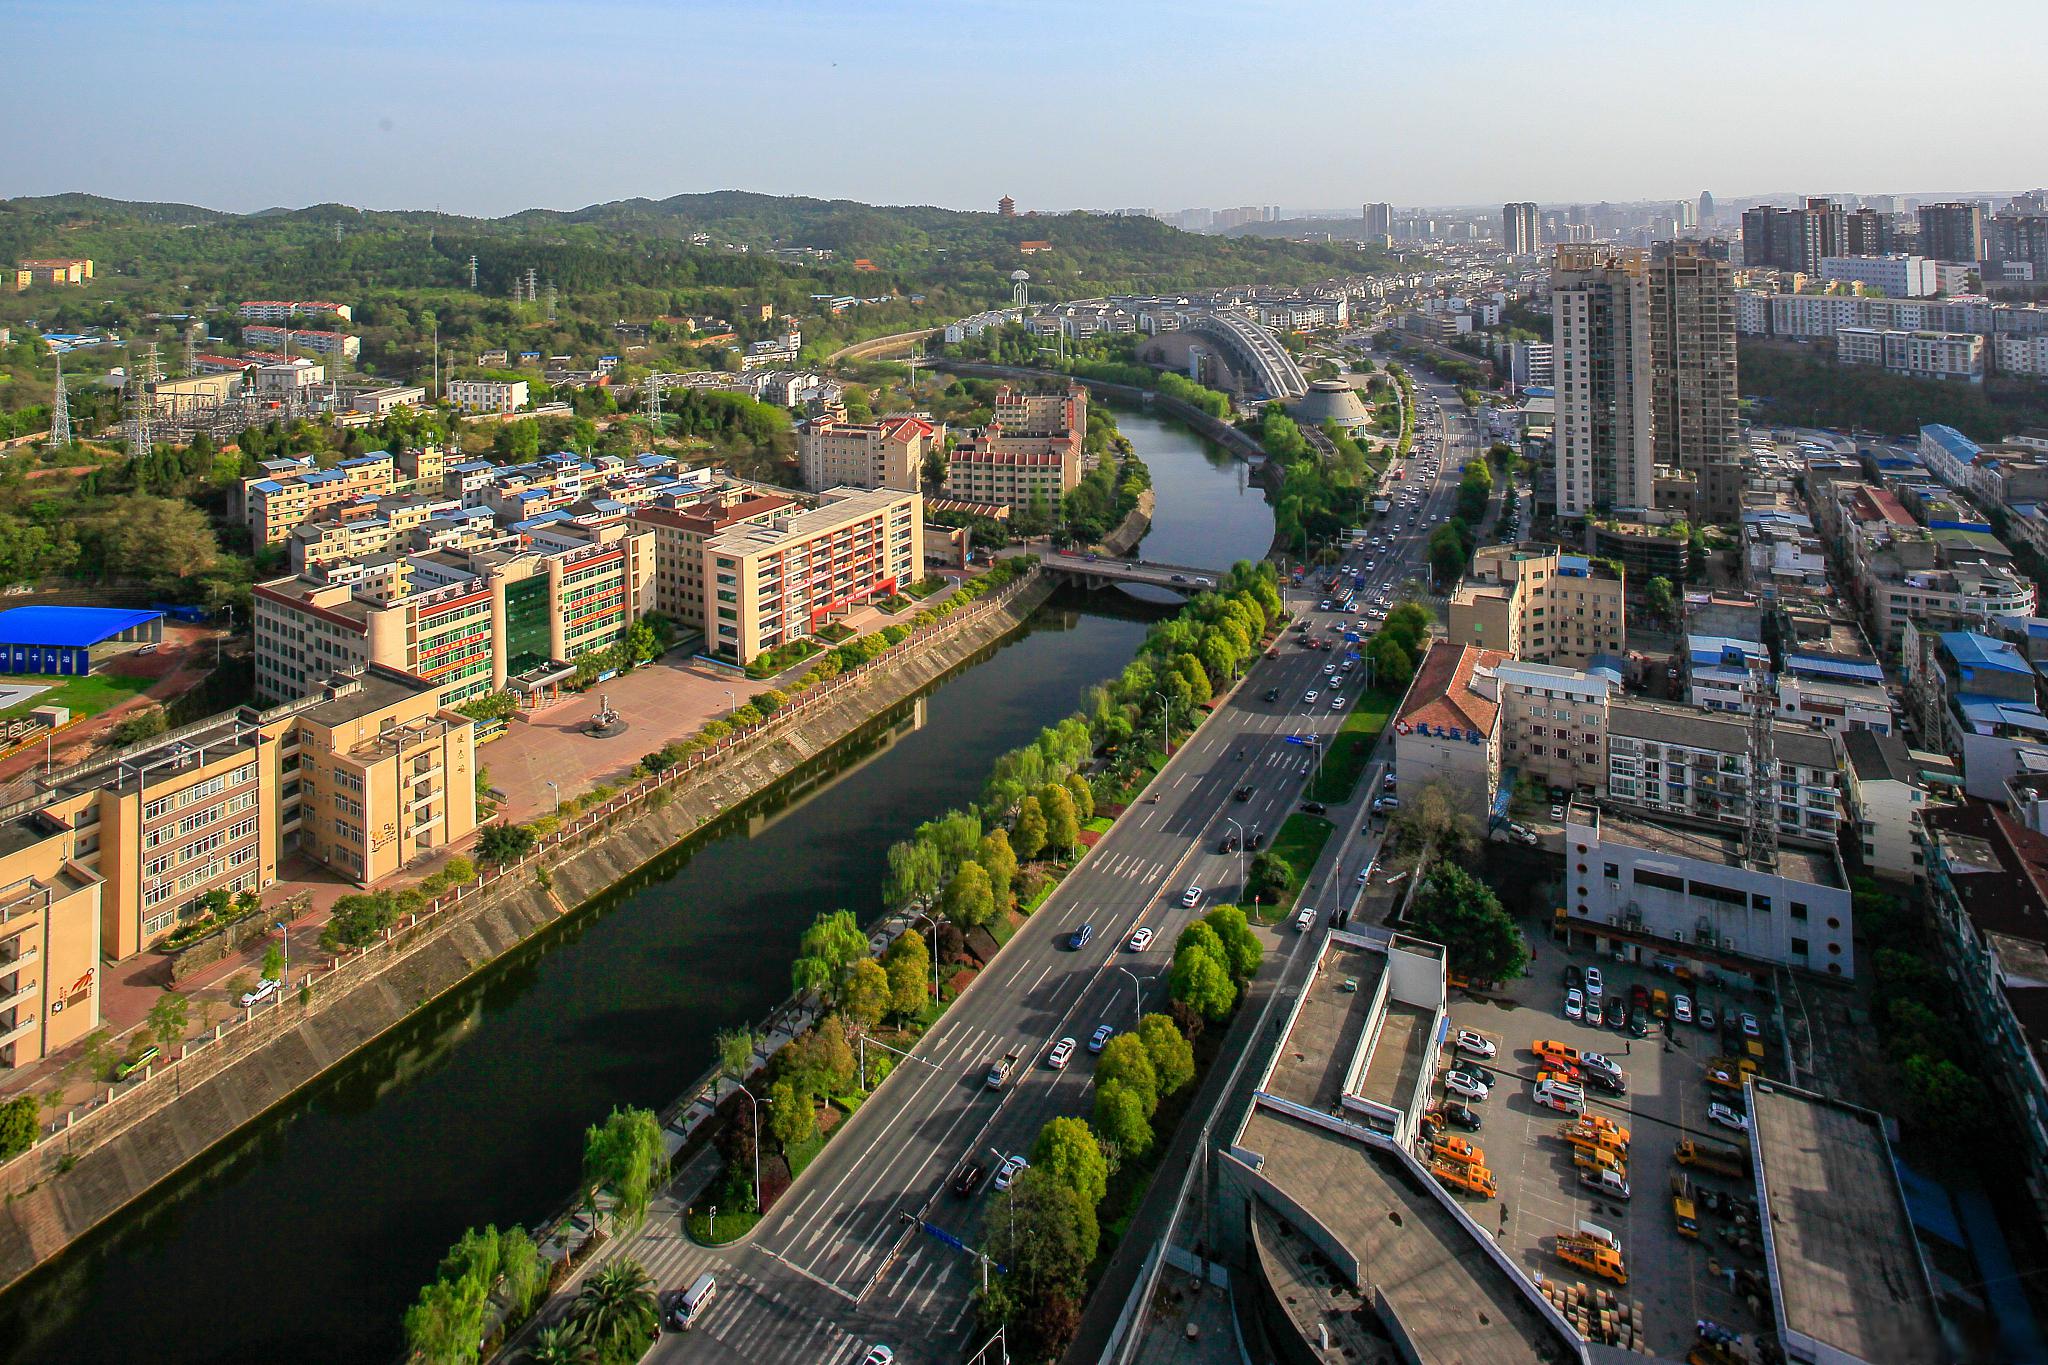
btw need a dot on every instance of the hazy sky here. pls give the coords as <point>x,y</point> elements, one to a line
<point>489,106</point>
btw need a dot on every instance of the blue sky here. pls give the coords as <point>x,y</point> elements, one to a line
<point>489,106</point>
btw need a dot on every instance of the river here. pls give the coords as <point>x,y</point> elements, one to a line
<point>306,1236</point>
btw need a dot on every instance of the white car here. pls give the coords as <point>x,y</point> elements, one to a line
<point>1594,983</point>
<point>1464,1086</point>
<point>1727,1117</point>
<point>1574,1004</point>
<point>1750,1028</point>
<point>1310,697</point>
<point>879,1355</point>
<point>1336,703</point>
<point>263,991</point>
<point>1061,1053</point>
<point>1140,940</point>
<point>1007,1172</point>
<point>1191,897</point>
<point>1681,1008</point>
<point>1385,804</point>
<point>1476,1044</point>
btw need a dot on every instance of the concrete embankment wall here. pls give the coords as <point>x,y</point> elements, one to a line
<point>77,1180</point>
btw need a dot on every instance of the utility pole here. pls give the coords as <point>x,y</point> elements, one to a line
<point>472,272</point>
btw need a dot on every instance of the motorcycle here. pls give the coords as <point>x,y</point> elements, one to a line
<point>1153,799</point>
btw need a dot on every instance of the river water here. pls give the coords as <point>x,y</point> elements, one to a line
<point>306,1236</point>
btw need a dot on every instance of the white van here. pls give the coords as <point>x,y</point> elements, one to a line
<point>694,1301</point>
<point>1306,920</point>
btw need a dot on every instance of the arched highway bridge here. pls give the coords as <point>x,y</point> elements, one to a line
<point>1254,348</point>
<point>1099,571</point>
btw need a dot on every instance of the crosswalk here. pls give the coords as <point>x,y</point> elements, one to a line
<point>750,1319</point>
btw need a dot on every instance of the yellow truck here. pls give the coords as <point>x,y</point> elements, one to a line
<point>1458,1149</point>
<point>1592,1131</point>
<point>1729,1073</point>
<point>1683,1210</point>
<point>1457,1175</point>
<point>1717,1157</point>
<point>1593,1249</point>
<point>1599,1159</point>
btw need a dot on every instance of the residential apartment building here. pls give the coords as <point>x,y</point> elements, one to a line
<point>1978,698</point>
<point>71,270</point>
<point>1447,732</point>
<point>290,492</point>
<point>1030,451</point>
<point>1952,232</point>
<point>1899,277</point>
<point>268,338</point>
<point>1605,456</point>
<point>1694,419</point>
<point>1682,761</point>
<point>364,776</point>
<point>467,622</point>
<point>1537,602</point>
<point>1918,355</point>
<point>1796,239</point>
<point>682,527</point>
<point>1520,229</point>
<point>2026,356</point>
<point>780,578</point>
<point>1987,879</point>
<point>487,395</point>
<point>1692,893</point>
<point>284,310</point>
<point>49,941</point>
<point>887,454</point>
<point>1887,789</point>
<point>1553,724</point>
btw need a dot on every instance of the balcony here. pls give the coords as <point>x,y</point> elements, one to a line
<point>16,1025</point>
<point>15,951</point>
<point>19,994</point>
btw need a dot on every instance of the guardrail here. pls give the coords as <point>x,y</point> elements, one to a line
<point>126,1103</point>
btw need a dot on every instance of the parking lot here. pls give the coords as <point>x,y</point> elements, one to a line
<point>1675,1280</point>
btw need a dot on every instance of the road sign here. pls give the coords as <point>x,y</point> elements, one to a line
<point>1310,740</point>
<point>944,1236</point>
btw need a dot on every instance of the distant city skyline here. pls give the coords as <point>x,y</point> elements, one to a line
<point>489,109</point>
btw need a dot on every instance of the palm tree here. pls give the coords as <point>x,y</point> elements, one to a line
<point>617,1306</point>
<point>561,1344</point>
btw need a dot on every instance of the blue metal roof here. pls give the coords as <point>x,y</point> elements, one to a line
<point>1854,670</point>
<point>1958,446</point>
<point>1726,649</point>
<point>68,625</point>
<point>1980,710</point>
<point>1973,651</point>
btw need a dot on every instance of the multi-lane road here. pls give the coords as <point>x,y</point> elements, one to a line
<point>836,1267</point>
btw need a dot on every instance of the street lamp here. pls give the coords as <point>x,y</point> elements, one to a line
<point>285,968</point>
<point>1137,994</point>
<point>756,1105</point>
<point>1169,721</point>
<point>558,796</point>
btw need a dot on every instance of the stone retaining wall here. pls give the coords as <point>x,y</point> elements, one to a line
<point>94,1167</point>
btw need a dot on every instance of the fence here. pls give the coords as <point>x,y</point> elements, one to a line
<point>124,1104</point>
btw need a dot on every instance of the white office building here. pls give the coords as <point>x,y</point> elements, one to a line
<point>1899,277</point>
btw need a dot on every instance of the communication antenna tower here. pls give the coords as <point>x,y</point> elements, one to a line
<point>60,409</point>
<point>551,300</point>
<point>653,398</point>
<point>1761,838</point>
<point>472,272</point>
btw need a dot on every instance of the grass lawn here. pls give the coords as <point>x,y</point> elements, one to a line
<point>1039,896</point>
<point>1298,844</point>
<point>926,587</point>
<point>731,1225</point>
<point>87,696</point>
<point>1352,748</point>
<point>1099,825</point>
<point>804,1153</point>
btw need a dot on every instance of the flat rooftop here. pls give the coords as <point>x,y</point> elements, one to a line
<point>1310,1065</point>
<point>1844,1263</point>
<point>1404,1045</point>
<point>1456,1303</point>
<point>1813,866</point>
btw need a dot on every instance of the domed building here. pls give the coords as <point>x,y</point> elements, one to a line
<point>1332,400</point>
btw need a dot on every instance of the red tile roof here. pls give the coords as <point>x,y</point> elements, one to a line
<point>1442,694</point>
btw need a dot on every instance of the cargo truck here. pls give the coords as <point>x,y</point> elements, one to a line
<point>1458,1149</point>
<point>1458,1176</point>
<point>1612,1184</point>
<point>1593,1249</point>
<point>1683,1211</point>
<point>1717,1157</point>
<point>1598,1159</point>
<point>1595,1131</point>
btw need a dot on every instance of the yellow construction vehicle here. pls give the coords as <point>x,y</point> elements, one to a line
<point>1458,1176</point>
<point>1730,1073</point>
<point>1718,1157</point>
<point>1599,1159</point>
<point>1458,1149</point>
<point>1590,1131</point>
<point>1593,1249</point>
<point>1683,1210</point>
